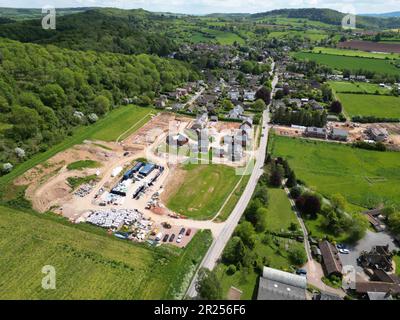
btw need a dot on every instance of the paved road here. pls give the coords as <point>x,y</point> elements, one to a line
<point>218,245</point>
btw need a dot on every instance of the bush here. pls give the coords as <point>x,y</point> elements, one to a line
<point>297,256</point>
<point>295,192</point>
<point>231,269</point>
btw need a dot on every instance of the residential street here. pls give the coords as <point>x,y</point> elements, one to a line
<point>218,245</point>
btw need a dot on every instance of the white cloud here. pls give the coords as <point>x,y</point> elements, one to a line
<point>209,6</point>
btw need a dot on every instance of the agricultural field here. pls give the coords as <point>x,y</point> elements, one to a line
<point>313,35</point>
<point>88,263</point>
<point>370,46</point>
<point>353,64</point>
<point>203,190</point>
<point>370,105</point>
<point>357,87</point>
<point>365,178</point>
<point>356,53</point>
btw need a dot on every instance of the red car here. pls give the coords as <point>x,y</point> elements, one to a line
<point>188,232</point>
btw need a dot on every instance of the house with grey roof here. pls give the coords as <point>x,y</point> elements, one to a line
<point>339,134</point>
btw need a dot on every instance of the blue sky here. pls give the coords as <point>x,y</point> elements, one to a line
<point>211,6</point>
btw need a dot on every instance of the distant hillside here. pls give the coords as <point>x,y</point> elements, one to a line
<point>26,14</point>
<point>383,15</point>
<point>331,17</point>
<point>100,29</point>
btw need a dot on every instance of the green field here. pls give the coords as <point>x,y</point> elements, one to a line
<point>280,213</point>
<point>83,164</point>
<point>357,87</point>
<point>355,53</point>
<point>213,35</point>
<point>203,191</point>
<point>353,64</point>
<point>313,35</point>
<point>122,122</point>
<point>370,105</point>
<point>89,264</point>
<point>365,178</point>
<point>109,128</point>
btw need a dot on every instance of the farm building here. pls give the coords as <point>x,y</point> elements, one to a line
<point>279,285</point>
<point>314,132</point>
<point>379,257</point>
<point>147,169</point>
<point>339,134</point>
<point>330,258</point>
<point>378,134</point>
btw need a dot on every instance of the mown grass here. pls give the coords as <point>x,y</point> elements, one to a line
<point>83,164</point>
<point>370,105</point>
<point>357,87</point>
<point>365,178</point>
<point>203,191</point>
<point>353,64</point>
<point>89,264</point>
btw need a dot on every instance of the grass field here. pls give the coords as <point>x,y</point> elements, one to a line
<point>280,213</point>
<point>357,87</point>
<point>370,105</point>
<point>122,122</point>
<point>203,191</point>
<point>365,178</point>
<point>88,263</point>
<point>350,63</point>
<point>312,35</point>
<point>109,128</point>
<point>213,35</point>
<point>355,53</point>
<point>83,164</point>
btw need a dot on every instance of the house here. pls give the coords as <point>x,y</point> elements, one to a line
<point>377,134</point>
<point>339,134</point>
<point>316,106</point>
<point>236,112</point>
<point>331,259</point>
<point>249,95</point>
<point>177,140</point>
<point>374,218</point>
<point>376,289</point>
<point>161,102</point>
<point>279,285</point>
<point>314,132</point>
<point>234,95</point>
<point>214,118</point>
<point>200,122</point>
<point>379,257</point>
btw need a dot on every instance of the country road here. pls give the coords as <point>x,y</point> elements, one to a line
<point>214,253</point>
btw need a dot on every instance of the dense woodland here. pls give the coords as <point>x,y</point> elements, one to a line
<point>46,91</point>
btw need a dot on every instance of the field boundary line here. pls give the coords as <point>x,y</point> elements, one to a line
<point>119,137</point>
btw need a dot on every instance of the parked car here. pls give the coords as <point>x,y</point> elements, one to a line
<point>172,238</point>
<point>182,231</point>
<point>301,272</point>
<point>340,246</point>
<point>166,238</point>
<point>188,232</point>
<point>126,154</point>
<point>179,239</point>
<point>344,251</point>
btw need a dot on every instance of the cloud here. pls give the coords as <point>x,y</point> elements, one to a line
<point>210,6</point>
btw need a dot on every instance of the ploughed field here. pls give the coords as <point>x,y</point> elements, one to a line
<point>89,264</point>
<point>366,178</point>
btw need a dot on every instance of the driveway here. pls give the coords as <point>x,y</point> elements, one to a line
<point>370,240</point>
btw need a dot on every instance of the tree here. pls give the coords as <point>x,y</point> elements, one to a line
<point>327,93</point>
<point>336,107</point>
<point>234,251</point>
<point>291,181</point>
<point>297,256</point>
<point>245,231</point>
<point>279,94</point>
<point>260,219</point>
<point>275,178</point>
<point>101,105</point>
<point>259,105</point>
<point>309,204</point>
<point>295,192</point>
<point>264,94</point>
<point>208,285</point>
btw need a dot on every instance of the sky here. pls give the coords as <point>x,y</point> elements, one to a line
<point>216,6</point>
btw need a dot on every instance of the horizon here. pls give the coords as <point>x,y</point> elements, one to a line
<point>204,7</point>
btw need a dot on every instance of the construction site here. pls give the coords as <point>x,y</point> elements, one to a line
<point>121,190</point>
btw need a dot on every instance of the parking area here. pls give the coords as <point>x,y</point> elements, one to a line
<point>175,235</point>
<point>370,240</point>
